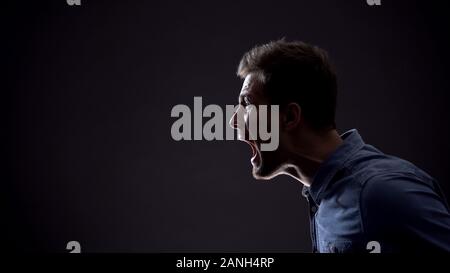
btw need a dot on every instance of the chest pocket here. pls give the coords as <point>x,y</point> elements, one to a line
<point>337,247</point>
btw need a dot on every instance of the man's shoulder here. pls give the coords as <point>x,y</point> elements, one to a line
<point>399,194</point>
<point>370,165</point>
<point>396,184</point>
<point>389,184</point>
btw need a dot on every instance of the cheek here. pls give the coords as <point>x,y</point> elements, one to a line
<point>251,122</point>
<point>246,119</point>
<point>248,111</point>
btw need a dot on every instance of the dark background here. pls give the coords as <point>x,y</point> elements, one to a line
<point>88,92</point>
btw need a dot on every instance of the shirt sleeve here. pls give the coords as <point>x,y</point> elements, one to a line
<point>405,213</point>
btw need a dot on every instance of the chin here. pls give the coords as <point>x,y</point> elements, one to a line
<point>263,173</point>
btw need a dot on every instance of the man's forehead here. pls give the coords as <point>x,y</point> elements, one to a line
<point>247,82</point>
<point>251,84</point>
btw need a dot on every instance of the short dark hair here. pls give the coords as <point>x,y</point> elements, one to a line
<point>295,72</point>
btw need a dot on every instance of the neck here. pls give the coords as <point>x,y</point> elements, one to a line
<point>306,158</point>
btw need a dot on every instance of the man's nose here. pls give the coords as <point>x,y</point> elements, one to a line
<point>233,121</point>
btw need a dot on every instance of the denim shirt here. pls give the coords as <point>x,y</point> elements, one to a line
<point>361,199</point>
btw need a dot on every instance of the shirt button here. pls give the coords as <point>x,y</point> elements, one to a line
<point>333,249</point>
<point>313,209</point>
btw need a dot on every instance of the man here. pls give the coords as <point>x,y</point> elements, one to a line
<point>360,199</point>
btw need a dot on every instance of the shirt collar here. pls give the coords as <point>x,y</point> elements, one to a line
<point>352,142</point>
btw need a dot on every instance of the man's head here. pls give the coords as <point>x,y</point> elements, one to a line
<point>299,78</point>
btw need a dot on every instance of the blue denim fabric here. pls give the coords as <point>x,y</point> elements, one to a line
<point>360,195</point>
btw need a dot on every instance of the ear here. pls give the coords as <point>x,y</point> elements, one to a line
<point>291,116</point>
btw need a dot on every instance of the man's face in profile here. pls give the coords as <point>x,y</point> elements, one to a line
<point>265,163</point>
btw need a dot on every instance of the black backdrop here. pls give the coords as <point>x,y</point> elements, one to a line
<point>88,93</point>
